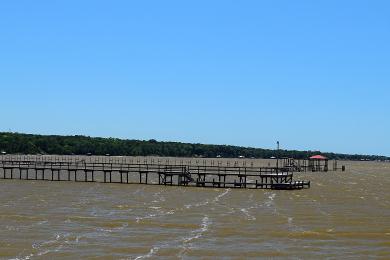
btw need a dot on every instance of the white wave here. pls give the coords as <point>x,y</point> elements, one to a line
<point>158,213</point>
<point>158,196</point>
<point>42,222</point>
<point>216,199</point>
<point>151,253</point>
<point>247,214</point>
<point>28,257</point>
<point>270,201</point>
<point>196,234</point>
<point>12,228</point>
<point>138,219</point>
<point>199,204</point>
<point>112,230</point>
<point>49,246</point>
<point>206,202</point>
<point>185,241</point>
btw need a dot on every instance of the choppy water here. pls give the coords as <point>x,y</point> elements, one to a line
<point>343,215</point>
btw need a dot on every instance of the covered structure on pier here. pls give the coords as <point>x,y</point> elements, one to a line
<point>318,163</point>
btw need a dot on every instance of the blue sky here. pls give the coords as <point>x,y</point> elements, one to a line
<point>311,74</point>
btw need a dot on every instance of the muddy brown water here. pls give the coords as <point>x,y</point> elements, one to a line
<point>344,215</point>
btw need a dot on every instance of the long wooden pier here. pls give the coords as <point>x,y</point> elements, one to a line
<point>151,173</point>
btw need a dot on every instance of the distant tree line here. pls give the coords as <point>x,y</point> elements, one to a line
<point>16,143</point>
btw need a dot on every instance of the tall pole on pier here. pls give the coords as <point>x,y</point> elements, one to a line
<point>277,154</point>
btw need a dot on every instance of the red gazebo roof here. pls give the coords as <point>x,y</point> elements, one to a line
<point>318,157</point>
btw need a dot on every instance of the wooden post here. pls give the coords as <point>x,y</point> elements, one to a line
<point>245,178</point>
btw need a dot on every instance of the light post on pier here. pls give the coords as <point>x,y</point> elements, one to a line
<point>277,155</point>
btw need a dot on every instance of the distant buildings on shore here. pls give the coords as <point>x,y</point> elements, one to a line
<point>3,153</point>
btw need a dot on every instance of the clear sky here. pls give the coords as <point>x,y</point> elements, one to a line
<point>311,74</point>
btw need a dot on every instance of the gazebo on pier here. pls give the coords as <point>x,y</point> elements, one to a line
<point>318,163</point>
